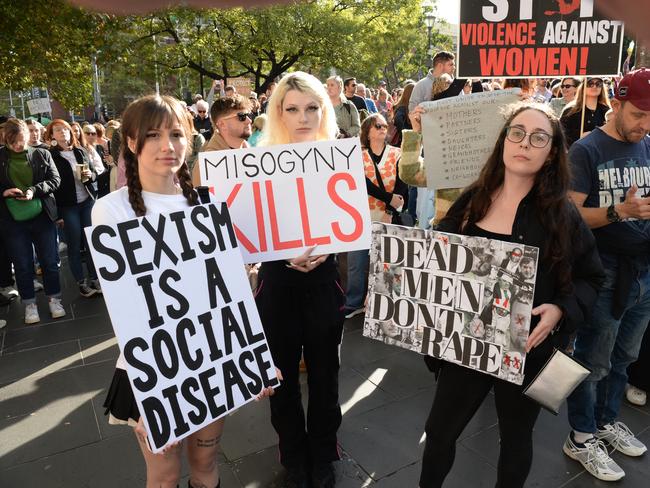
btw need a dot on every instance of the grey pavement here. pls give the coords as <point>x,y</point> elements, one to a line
<point>53,432</point>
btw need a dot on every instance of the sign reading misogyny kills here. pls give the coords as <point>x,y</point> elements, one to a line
<point>466,300</point>
<point>459,134</point>
<point>544,38</point>
<point>284,199</point>
<point>184,317</point>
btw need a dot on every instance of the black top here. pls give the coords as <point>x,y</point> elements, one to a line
<point>358,101</point>
<point>593,118</point>
<point>66,194</point>
<point>276,273</point>
<point>203,127</point>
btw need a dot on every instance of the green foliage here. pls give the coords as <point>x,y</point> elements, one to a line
<point>50,43</point>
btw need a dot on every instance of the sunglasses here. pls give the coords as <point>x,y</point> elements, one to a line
<point>90,133</point>
<point>241,116</point>
<point>597,83</point>
<point>202,111</point>
<point>381,126</point>
<point>566,87</point>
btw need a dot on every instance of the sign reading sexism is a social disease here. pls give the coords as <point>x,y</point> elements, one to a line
<point>285,199</point>
<point>184,317</point>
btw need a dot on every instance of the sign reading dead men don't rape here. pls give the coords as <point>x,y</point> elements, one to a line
<point>466,300</point>
<point>284,199</point>
<point>543,38</point>
<point>184,317</point>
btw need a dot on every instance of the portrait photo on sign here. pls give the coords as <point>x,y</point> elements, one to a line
<point>463,299</point>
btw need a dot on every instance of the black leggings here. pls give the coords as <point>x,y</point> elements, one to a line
<point>459,395</point>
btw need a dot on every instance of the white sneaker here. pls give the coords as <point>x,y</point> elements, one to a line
<point>349,313</point>
<point>594,458</point>
<point>31,314</point>
<point>38,286</point>
<point>3,323</point>
<point>10,292</point>
<point>621,438</point>
<point>635,396</point>
<point>56,309</point>
<point>62,246</point>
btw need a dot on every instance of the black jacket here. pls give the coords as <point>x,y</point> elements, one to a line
<point>66,194</point>
<point>587,270</point>
<point>46,180</point>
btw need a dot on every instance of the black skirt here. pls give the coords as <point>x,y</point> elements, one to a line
<point>120,402</point>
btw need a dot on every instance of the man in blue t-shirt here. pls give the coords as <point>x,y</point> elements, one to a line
<point>611,178</point>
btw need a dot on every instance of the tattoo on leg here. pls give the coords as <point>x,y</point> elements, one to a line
<point>208,442</point>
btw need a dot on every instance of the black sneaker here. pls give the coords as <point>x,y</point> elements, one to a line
<point>296,478</point>
<point>323,475</point>
<point>85,290</point>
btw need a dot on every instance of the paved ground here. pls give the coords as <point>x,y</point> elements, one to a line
<point>53,379</point>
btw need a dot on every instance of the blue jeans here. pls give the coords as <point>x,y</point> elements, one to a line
<point>75,219</point>
<point>608,346</point>
<point>425,207</point>
<point>41,232</point>
<point>358,262</point>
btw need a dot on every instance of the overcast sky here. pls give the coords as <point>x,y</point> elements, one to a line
<point>448,9</point>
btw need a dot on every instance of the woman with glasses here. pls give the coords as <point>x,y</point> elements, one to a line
<point>596,103</point>
<point>386,195</point>
<point>520,196</point>
<point>89,141</point>
<point>568,87</point>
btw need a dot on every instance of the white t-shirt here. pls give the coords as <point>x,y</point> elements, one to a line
<point>115,207</point>
<point>82,193</point>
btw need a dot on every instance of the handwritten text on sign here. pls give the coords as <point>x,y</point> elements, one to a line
<point>184,317</point>
<point>284,199</point>
<point>459,135</point>
<point>545,38</point>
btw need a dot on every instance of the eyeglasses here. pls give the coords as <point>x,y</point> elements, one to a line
<point>566,87</point>
<point>381,126</point>
<point>537,139</point>
<point>597,83</point>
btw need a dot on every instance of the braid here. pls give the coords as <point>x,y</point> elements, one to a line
<point>133,184</point>
<point>185,181</point>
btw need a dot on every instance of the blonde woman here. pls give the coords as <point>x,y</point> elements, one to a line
<point>300,303</point>
<point>596,102</point>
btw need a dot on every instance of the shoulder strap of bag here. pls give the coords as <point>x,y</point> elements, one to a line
<point>380,182</point>
<point>204,193</point>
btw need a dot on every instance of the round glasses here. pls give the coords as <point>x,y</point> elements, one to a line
<point>537,139</point>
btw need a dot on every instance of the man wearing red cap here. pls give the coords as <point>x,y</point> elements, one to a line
<point>611,169</point>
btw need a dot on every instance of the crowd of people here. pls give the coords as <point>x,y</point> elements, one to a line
<point>569,174</point>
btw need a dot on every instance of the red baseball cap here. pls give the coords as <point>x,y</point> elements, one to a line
<point>635,88</point>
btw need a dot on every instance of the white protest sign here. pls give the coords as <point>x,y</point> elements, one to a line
<point>284,199</point>
<point>39,106</point>
<point>459,134</point>
<point>466,300</point>
<point>184,317</point>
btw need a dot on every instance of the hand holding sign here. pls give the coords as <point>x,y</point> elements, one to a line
<point>306,262</point>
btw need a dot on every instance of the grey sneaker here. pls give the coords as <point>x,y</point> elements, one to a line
<point>94,284</point>
<point>38,286</point>
<point>621,438</point>
<point>594,458</point>
<point>31,314</point>
<point>56,309</point>
<point>85,290</point>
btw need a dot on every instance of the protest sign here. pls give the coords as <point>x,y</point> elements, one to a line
<point>466,300</point>
<point>39,106</point>
<point>284,199</point>
<point>541,38</point>
<point>459,134</point>
<point>184,317</point>
<point>241,84</point>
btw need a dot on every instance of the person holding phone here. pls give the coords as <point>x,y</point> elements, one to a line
<point>28,180</point>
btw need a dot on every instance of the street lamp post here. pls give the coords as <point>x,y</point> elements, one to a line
<point>429,20</point>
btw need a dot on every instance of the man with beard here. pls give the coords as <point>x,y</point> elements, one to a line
<point>231,119</point>
<point>611,168</point>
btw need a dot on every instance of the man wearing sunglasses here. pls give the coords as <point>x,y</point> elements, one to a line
<point>231,120</point>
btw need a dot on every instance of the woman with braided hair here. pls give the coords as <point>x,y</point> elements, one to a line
<point>156,141</point>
